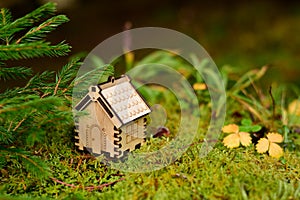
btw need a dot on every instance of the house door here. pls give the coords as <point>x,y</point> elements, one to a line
<point>96,139</point>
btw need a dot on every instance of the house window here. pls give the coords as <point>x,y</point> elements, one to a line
<point>132,132</point>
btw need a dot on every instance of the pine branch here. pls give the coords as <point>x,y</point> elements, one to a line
<point>6,136</point>
<point>32,164</point>
<point>35,166</point>
<point>8,30</point>
<point>13,106</point>
<point>38,85</point>
<point>19,124</point>
<point>40,81</point>
<point>27,114</point>
<point>31,50</point>
<point>5,18</point>
<point>99,74</point>
<point>40,31</point>
<point>28,118</point>
<point>14,73</point>
<point>67,74</point>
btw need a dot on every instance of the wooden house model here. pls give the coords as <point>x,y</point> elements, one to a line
<point>114,119</point>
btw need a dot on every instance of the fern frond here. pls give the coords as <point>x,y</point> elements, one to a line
<point>32,50</point>
<point>40,31</point>
<point>8,30</point>
<point>14,72</point>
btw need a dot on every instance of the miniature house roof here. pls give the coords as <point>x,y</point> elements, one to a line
<point>119,99</point>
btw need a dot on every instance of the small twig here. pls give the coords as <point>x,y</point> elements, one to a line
<point>79,163</point>
<point>56,87</point>
<point>64,90</point>
<point>284,117</point>
<point>32,31</point>
<point>19,124</point>
<point>89,188</point>
<point>63,183</point>
<point>85,156</point>
<point>45,94</point>
<point>273,104</point>
<point>10,126</point>
<point>99,187</point>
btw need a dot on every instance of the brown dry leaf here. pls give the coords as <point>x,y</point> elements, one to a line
<point>275,137</point>
<point>245,138</point>
<point>232,141</point>
<point>199,86</point>
<point>230,128</point>
<point>262,145</point>
<point>275,150</point>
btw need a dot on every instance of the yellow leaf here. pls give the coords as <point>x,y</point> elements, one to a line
<point>275,150</point>
<point>262,145</point>
<point>230,128</point>
<point>245,139</point>
<point>232,141</point>
<point>294,107</point>
<point>184,72</point>
<point>129,58</point>
<point>199,86</point>
<point>275,137</point>
<point>158,87</point>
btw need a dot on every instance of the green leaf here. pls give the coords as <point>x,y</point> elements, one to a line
<point>252,128</point>
<point>246,122</point>
<point>248,127</point>
<point>286,132</point>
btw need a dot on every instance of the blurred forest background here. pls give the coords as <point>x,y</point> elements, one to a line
<point>237,33</point>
